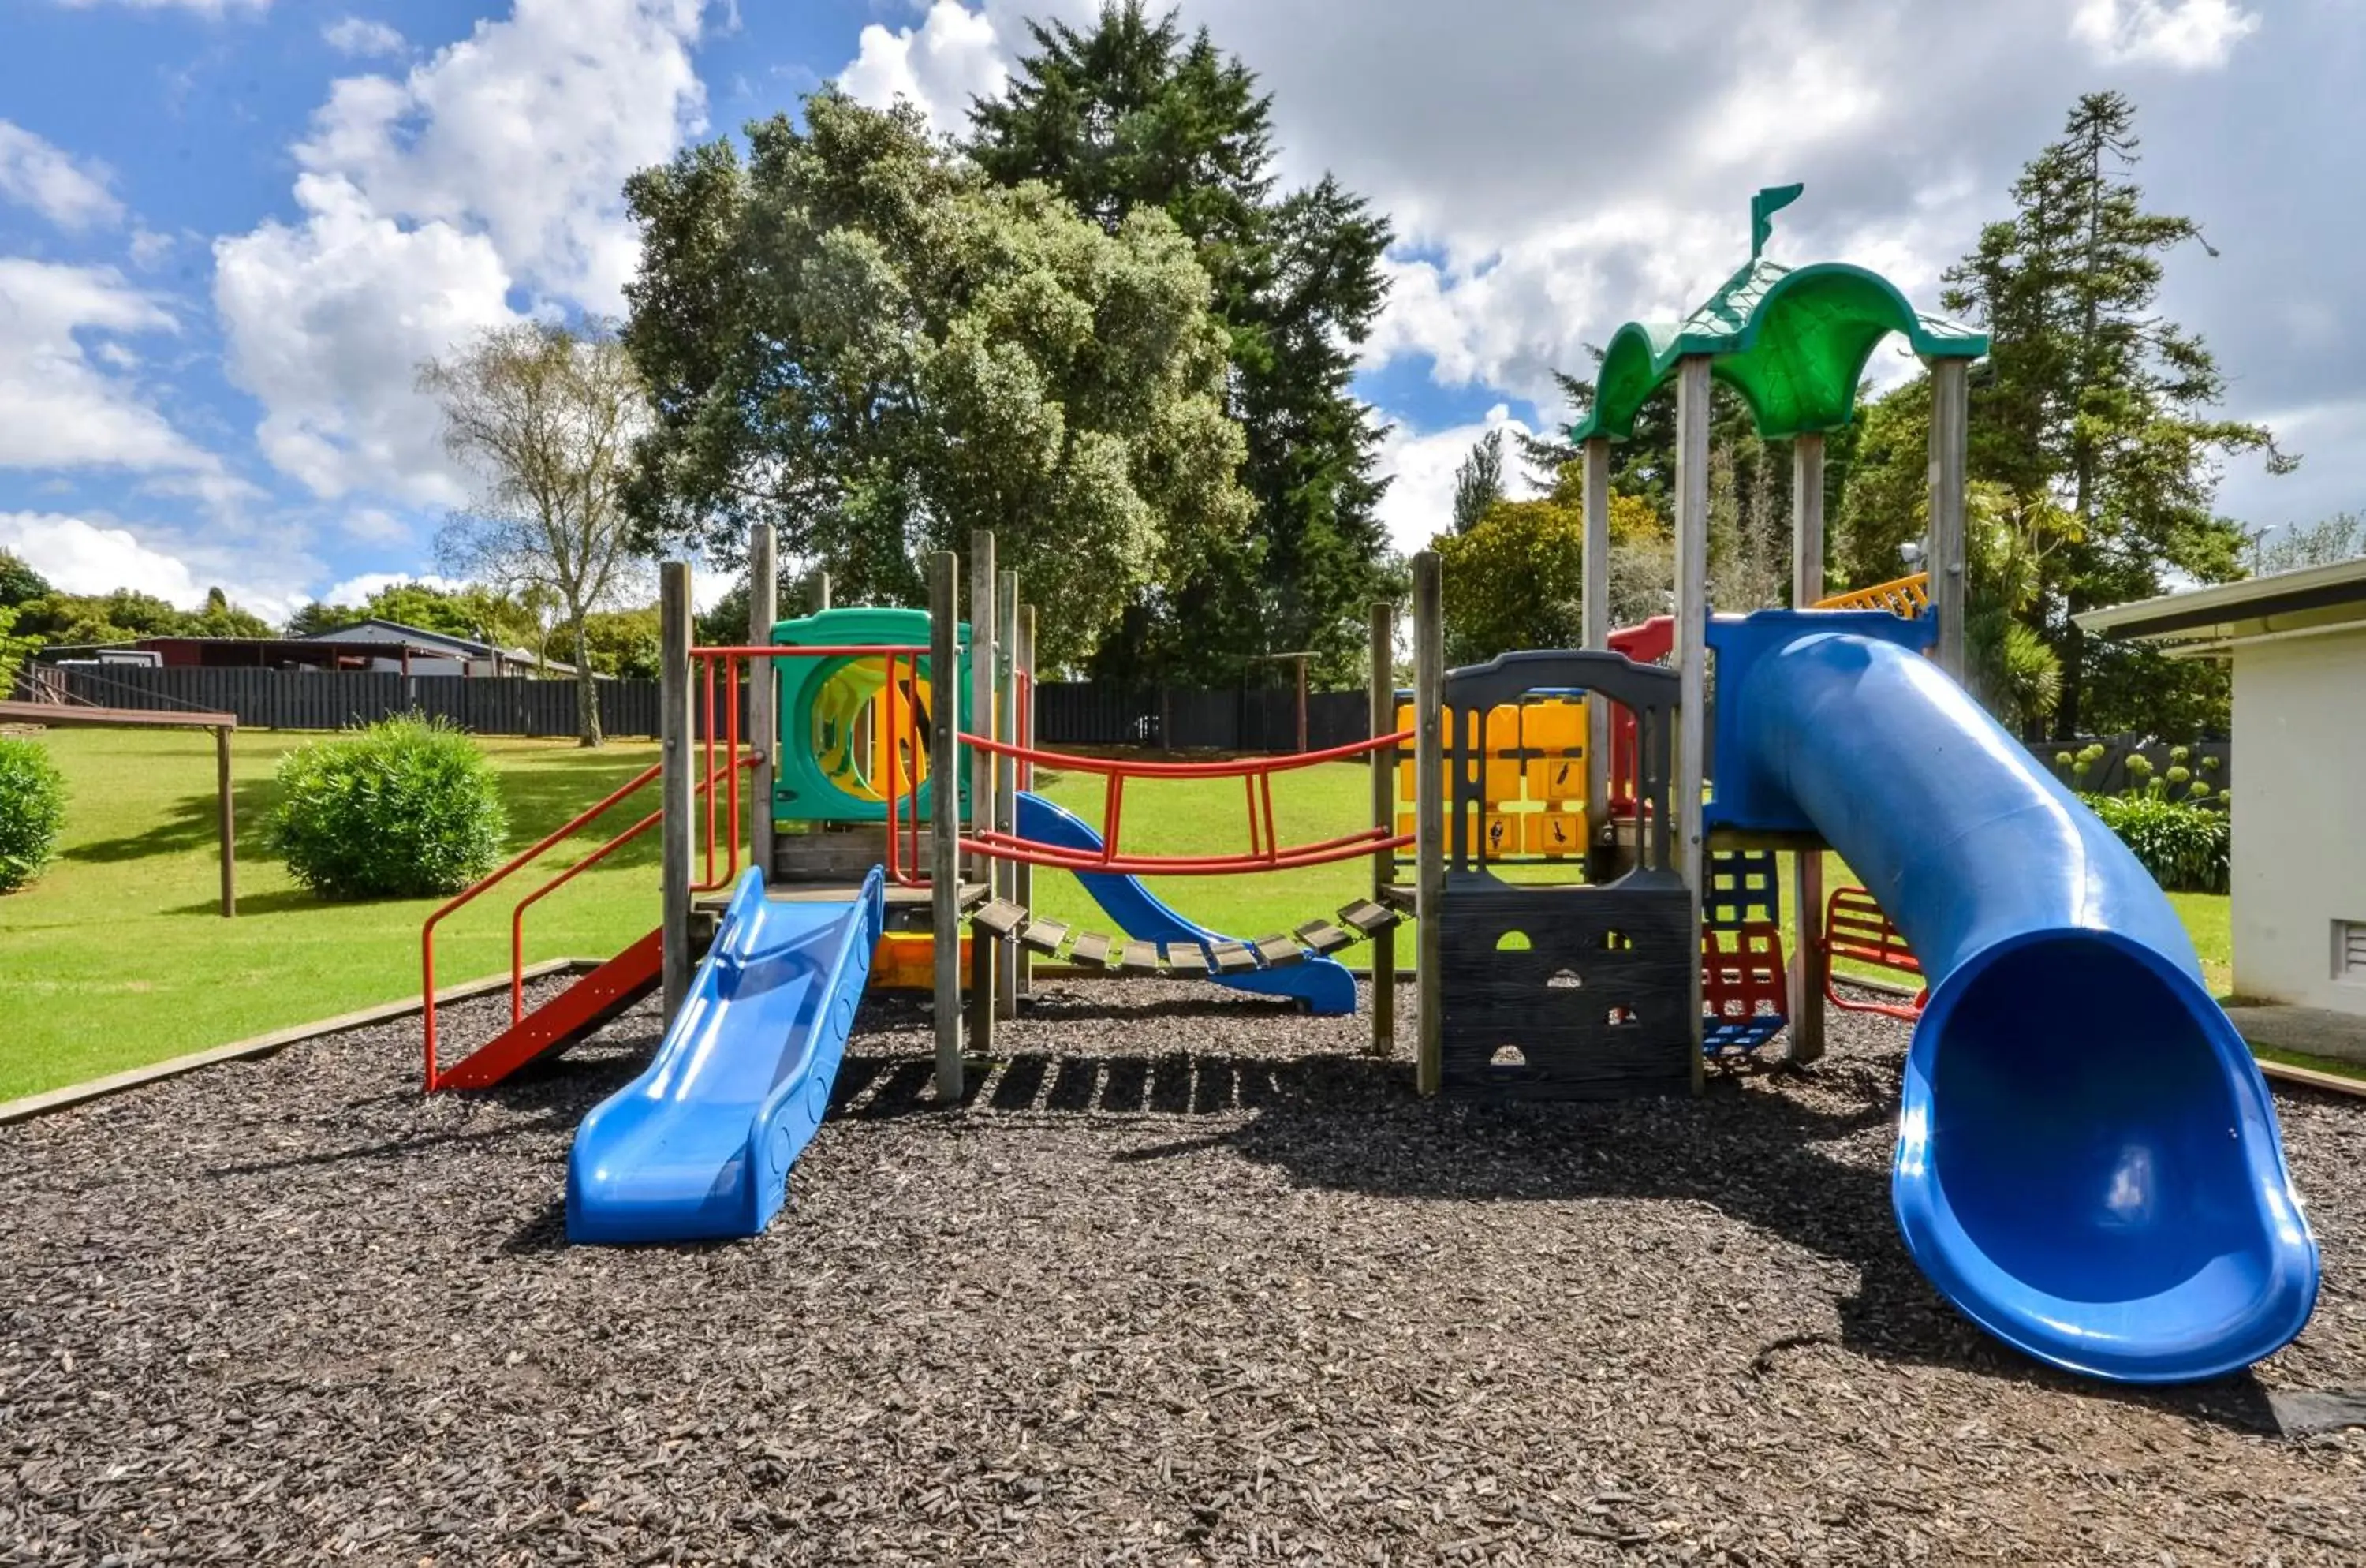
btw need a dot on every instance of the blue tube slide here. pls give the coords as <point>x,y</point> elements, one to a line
<point>2088,1160</point>
<point>1323,984</point>
<point>699,1147</point>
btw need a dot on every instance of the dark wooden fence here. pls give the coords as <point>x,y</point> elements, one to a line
<point>1180,718</point>
<point>319,699</point>
<point>1066,713</point>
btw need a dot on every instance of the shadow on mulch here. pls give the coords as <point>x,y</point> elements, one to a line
<point>1356,1124</point>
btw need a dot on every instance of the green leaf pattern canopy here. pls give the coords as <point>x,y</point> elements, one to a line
<point>1792,341</point>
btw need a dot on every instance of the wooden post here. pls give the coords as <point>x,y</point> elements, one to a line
<point>816,592</point>
<point>677,763</point>
<point>1384,686</point>
<point>1950,430</point>
<point>1023,874</point>
<point>1692,652</point>
<point>1429,818</point>
<point>944,815</point>
<point>1006,777</point>
<point>1596,607</point>
<point>1807,1001</point>
<point>1300,662</point>
<point>764,688</point>
<point>984,653</point>
<point>229,824</point>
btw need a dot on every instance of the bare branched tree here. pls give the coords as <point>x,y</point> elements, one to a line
<point>544,415</point>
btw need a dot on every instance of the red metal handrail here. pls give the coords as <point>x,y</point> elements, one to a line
<point>729,773</point>
<point>469,895</point>
<point>517,916</point>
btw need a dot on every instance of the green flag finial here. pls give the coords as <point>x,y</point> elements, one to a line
<point>1763,208</point>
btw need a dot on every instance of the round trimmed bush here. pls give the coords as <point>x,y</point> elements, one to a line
<point>32,809</point>
<point>403,810</point>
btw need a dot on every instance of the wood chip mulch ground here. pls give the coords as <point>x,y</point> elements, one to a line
<point>1191,1280</point>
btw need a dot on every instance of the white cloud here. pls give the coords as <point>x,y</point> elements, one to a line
<point>1419,504</point>
<point>374,525</point>
<point>354,589</point>
<point>2183,35</point>
<point>951,56</point>
<point>1795,94</point>
<point>59,408</point>
<point>149,250</point>
<point>359,37</point>
<point>1510,318</point>
<point>524,131</point>
<point>494,167</point>
<point>266,573</point>
<point>328,321</point>
<point>79,556</point>
<point>70,193</point>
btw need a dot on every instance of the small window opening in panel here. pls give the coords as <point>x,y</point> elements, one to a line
<point>2350,951</point>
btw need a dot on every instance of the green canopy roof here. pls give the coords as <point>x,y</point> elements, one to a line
<point>1792,341</point>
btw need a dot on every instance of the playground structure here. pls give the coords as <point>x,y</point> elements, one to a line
<point>2089,1164</point>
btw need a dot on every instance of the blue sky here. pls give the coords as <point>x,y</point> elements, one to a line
<point>231,229</point>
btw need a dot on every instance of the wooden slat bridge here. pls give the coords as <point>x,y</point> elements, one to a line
<point>1007,920</point>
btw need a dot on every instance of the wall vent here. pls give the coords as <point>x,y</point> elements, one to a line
<point>2350,951</point>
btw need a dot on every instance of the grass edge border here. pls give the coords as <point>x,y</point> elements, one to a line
<point>277,1039</point>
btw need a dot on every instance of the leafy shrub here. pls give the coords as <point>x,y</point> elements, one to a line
<point>32,809</point>
<point>2182,843</point>
<point>402,810</point>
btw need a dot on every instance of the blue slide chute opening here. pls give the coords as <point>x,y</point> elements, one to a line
<point>2089,1164</point>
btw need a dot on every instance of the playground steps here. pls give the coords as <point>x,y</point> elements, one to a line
<point>581,1009</point>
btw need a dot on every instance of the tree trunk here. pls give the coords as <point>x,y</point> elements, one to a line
<point>587,691</point>
<point>2074,659</point>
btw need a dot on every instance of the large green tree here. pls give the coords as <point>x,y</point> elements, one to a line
<point>855,335</point>
<point>2092,400</point>
<point>1130,114</point>
<point>18,582</point>
<point>1514,578</point>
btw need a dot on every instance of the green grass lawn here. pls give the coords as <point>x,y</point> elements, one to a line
<point>117,956</point>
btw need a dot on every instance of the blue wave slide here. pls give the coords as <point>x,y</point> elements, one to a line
<point>1323,984</point>
<point>2088,1161</point>
<point>699,1147</point>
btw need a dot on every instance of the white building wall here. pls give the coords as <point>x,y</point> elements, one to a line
<point>2299,817</point>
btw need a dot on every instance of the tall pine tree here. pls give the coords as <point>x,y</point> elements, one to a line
<point>1479,483</point>
<point>2091,401</point>
<point>1134,113</point>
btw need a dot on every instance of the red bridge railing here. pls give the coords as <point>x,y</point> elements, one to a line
<point>1266,851</point>
<point>719,682</point>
